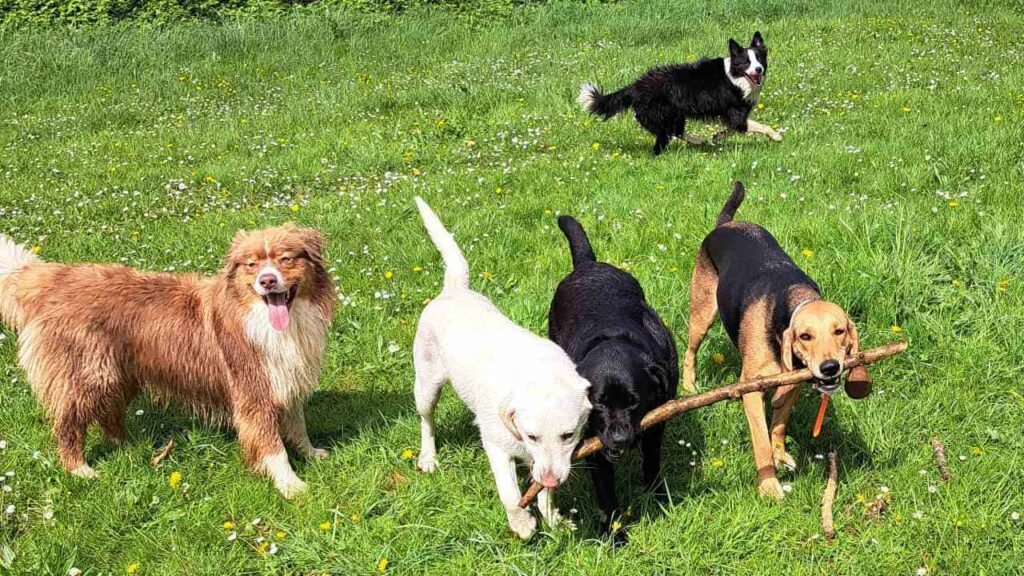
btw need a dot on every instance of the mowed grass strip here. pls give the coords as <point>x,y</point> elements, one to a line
<point>897,187</point>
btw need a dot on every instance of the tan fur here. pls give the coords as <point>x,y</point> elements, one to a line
<point>94,336</point>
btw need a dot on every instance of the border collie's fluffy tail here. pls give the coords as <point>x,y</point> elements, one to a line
<point>456,269</point>
<point>731,205</point>
<point>13,257</point>
<point>579,245</point>
<point>605,105</point>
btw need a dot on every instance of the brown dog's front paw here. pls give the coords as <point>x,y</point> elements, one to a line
<point>771,488</point>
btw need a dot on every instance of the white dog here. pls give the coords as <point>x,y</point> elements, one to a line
<point>529,401</point>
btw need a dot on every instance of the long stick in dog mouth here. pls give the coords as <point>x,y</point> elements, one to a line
<point>673,408</point>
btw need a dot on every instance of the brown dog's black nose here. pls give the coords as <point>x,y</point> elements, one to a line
<point>268,281</point>
<point>830,368</point>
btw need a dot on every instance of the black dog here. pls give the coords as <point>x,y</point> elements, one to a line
<point>600,318</point>
<point>664,98</point>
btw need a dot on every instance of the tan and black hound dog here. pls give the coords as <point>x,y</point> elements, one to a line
<point>777,319</point>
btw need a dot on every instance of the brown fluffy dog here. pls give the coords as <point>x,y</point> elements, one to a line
<point>243,347</point>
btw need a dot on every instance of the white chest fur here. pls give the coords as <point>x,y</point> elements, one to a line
<point>292,357</point>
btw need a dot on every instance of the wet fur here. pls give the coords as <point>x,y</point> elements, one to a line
<point>92,337</point>
<point>600,317</point>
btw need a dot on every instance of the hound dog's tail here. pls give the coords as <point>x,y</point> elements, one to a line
<point>604,105</point>
<point>456,269</point>
<point>13,258</point>
<point>731,205</point>
<point>579,245</point>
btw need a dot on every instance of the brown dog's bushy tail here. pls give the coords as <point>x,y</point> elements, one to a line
<point>579,245</point>
<point>13,257</point>
<point>731,205</point>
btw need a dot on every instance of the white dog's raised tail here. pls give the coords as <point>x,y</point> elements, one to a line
<point>13,257</point>
<point>456,269</point>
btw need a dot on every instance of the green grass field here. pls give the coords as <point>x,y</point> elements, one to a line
<point>897,186</point>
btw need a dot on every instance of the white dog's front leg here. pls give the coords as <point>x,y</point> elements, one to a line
<point>293,430</point>
<point>520,520</point>
<point>758,128</point>
<point>546,505</point>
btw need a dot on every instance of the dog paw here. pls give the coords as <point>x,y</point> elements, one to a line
<point>694,140</point>
<point>771,488</point>
<point>319,453</point>
<point>291,488</point>
<point>427,464</point>
<point>775,137</point>
<point>522,522</point>
<point>784,459</point>
<point>86,472</point>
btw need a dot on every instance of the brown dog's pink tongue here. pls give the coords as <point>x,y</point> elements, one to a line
<point>277,306</point>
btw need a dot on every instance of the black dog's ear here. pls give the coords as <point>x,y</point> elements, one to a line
<point>657,374</point>
<point>734,47</point>
<point>757,41</point>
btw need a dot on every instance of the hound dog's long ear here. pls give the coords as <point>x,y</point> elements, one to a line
<point>734,47</point>
<point>858,381</point>
<point>508,414</point>
<point>757,41</point>
<point>787,349</point>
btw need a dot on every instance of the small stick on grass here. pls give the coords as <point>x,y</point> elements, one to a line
<point>829,497</point>
<point>673,408</point>
<point>940,458</point>
<point>163,453</point>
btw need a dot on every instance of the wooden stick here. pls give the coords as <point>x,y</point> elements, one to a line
<point>673,408</point>
<point>940,458</point>
<point>163,453</point>
<point>829,497</point>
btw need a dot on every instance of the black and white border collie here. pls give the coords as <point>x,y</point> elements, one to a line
<point>664,98</point>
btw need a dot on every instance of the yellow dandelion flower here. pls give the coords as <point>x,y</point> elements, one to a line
<point>548,212</point>
<point>760,105</point>
<point>294,207</point>
<point>175,479</point>
<point>486,275</point>
<point>976,451</point>
<point>616,526</point>
<point>262,547</point>
<point>956,283</point>
<point>896,328</point>
<point>595,146</point>
<point>407,455</point>
<point>229,525</point>
<point>953,203</point>
<point>417,268</point>
<point>499,190</point>
<point>325,526</point>
<point>718,358</point>
<point>998,119</point>
<point>388,275</point>
<point>354,518</point>
<point>440,122</point>
<point>382,565</point>
<point>673,268</point>
<point>906,109</point>
<point>807,252</point>
<point>133,568</point>
<point>854,96</point>
<point>717,463</point>
<point>1002,285</point>
<point>36,249</point>
<point>280,534</point>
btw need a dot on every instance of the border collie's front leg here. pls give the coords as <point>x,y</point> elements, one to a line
<point>759,128</point>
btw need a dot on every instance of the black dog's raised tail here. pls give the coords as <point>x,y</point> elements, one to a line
<point>731,205</point>
<point>604,105</point>
<point>579,245</point>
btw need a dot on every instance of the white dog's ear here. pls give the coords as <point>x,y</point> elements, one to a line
<point>508,414</point>
<point>586,394</point>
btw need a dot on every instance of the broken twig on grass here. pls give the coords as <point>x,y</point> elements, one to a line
<point>673,408</point>
<point>828,499</point>
<point>163,453</point>
<point>940,458</point>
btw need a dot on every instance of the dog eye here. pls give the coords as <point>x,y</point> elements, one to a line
<point>567,436</point>
<point>250,266</point>
<point>840,331</point>
<point>287,260</point>
<point>532,437</point>
<point>806,337</point>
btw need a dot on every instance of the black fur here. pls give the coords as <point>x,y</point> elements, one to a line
<point>600,317</point>
<point>664,98</point>
<point>752,266</point>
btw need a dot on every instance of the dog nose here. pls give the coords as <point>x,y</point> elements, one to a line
<point>829,368</point>
<point>548,480</point>
<point>619,436</point>
<point>758,69</point>
<point>268,281</point>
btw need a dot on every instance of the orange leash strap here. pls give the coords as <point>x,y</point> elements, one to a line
<point>821,416</point>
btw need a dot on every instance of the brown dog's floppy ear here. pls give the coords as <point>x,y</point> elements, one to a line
<point>508,414</point>
<point>313,244</point>
<point>787,349</point>
<point>858,381</point>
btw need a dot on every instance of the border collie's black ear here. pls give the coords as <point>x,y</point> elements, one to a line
<point>734,47</point>
<point>757,41</point>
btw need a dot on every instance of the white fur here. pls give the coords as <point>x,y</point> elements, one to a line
<point>496,368</point>
<point>586,97</point>
<point>13,257</point>
<point>263,272</point>
<point>750,90</point>
<point>280,471</point>
<point>293,355</point>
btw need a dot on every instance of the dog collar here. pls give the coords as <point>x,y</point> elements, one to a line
<point>797,309</point>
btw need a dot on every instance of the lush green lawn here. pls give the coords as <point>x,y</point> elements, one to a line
<point>897,186</point>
